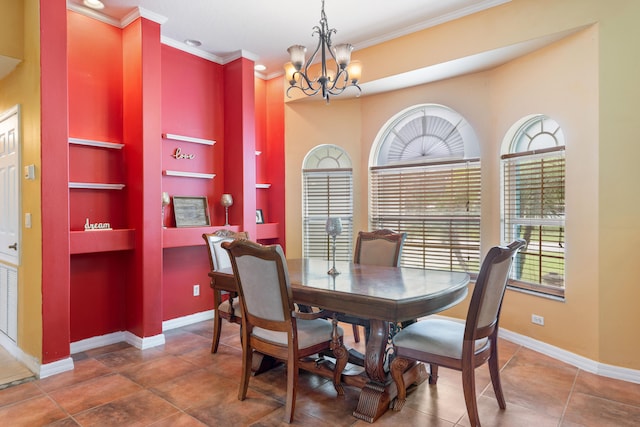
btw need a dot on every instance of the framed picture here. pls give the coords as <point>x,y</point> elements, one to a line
<point>259,217</point>
<point>191,211</point>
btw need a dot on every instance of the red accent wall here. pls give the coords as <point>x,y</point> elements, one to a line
<point>192,105</point>
<point>95,79</point>
<point>55,211</point>
<point>183,268</point>
<point>274,119</point>
<point>240,142</point>
<point>124,86</point>
<point>97,280</point>
<point>142,135</point>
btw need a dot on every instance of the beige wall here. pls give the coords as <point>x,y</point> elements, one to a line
<point>585,82</point>
<point>12,29</point>
<point>22,87</point>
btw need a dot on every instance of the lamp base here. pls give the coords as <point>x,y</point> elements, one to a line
<point>333,271</point>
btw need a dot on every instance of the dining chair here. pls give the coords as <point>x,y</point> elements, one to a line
<point>378,247</point>
<point>461,346</point>
<point>270,323</point>
<point>228,309</point>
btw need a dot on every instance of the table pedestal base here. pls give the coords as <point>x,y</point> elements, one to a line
<point>376,397</point>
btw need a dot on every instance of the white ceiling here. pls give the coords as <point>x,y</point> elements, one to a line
<point>263,30</point>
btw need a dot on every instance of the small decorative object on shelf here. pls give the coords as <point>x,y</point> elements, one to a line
<point>165,202</point>
<point>96,226</point>
<point>226,200</point>
<point>259,216</point>
<point>178,154</point>
<point>191,211</point>
<point>333,228</point>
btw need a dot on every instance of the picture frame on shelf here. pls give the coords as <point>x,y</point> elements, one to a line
<point>191,211</point>
<point>259,216</point>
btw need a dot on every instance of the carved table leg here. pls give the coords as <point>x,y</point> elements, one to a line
<point>341,355</point>
<point>378,393</point>
<point>374,397</point>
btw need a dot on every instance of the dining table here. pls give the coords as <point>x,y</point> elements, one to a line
<point>380,295</point>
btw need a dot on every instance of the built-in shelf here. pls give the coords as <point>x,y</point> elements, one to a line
<point>92,143</point>
<point>85,242</point>
<point>189,174</point>
<point>96,186</point>
<point>174,237</point>
<point>269,230</point>
<point>263,185</point>
<point>188,139</point>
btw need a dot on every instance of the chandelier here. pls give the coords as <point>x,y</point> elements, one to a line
<point>333,80</point>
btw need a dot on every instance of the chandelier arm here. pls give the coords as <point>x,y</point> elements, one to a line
<point>333,84</point>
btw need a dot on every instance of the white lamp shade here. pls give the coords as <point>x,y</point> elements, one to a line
<point>343,54</point>
<point>297,53</point>
<point>355,71</point>
<point>289,71</point>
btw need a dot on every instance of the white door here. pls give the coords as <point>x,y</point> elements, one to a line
<point>9,186</point>
<point>9,220</point>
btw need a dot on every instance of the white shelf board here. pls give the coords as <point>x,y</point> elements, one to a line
<point>189,174</point>
<point>188,139</point>
<point>92,143</point>
<point>96,186</point>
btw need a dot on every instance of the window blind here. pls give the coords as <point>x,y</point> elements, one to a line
<point>327,193</point>
<point>437,205</point>
<point>534,210</point>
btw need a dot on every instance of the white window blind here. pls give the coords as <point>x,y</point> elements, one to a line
<point>533,209</point>
<point>327,192</point>
<point>437,205</point>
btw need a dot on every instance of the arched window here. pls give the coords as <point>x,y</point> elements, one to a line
<point>327,190</point>
<point>425,181</point>
<point>533,201</point>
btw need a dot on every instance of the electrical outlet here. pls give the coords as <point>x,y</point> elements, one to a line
<point>538,320</point>
<point>196,290</point>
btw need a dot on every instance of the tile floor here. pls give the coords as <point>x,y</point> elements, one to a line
<point>183,384</point>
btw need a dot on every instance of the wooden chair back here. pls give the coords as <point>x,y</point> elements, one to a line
<point>488,293</point>
<point>379,247</point>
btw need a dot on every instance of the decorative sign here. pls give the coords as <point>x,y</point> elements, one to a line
<point>191,211</point>
<point>96,226</point>
<point>178,154</point>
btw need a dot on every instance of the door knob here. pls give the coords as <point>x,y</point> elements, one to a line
<point>14,246</point>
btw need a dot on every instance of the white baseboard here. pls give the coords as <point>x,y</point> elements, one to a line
<point>144,343</point>
<point>580,362</point>
<point>116,337</point>
<point>43,371</point>
<point>134,340</point>
<point>57,367</point>
<point>179,322</point>
<point>95,342</point>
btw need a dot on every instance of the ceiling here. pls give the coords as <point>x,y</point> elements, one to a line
<point>263,30</point>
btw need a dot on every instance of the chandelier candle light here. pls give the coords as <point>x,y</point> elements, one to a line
<point>333,228</point>
<point>330,81</point>
<point>226,200</point>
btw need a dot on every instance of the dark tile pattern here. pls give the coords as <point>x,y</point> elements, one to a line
<point>182,384</point>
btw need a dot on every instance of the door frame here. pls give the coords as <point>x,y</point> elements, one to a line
<point>5,115</point>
